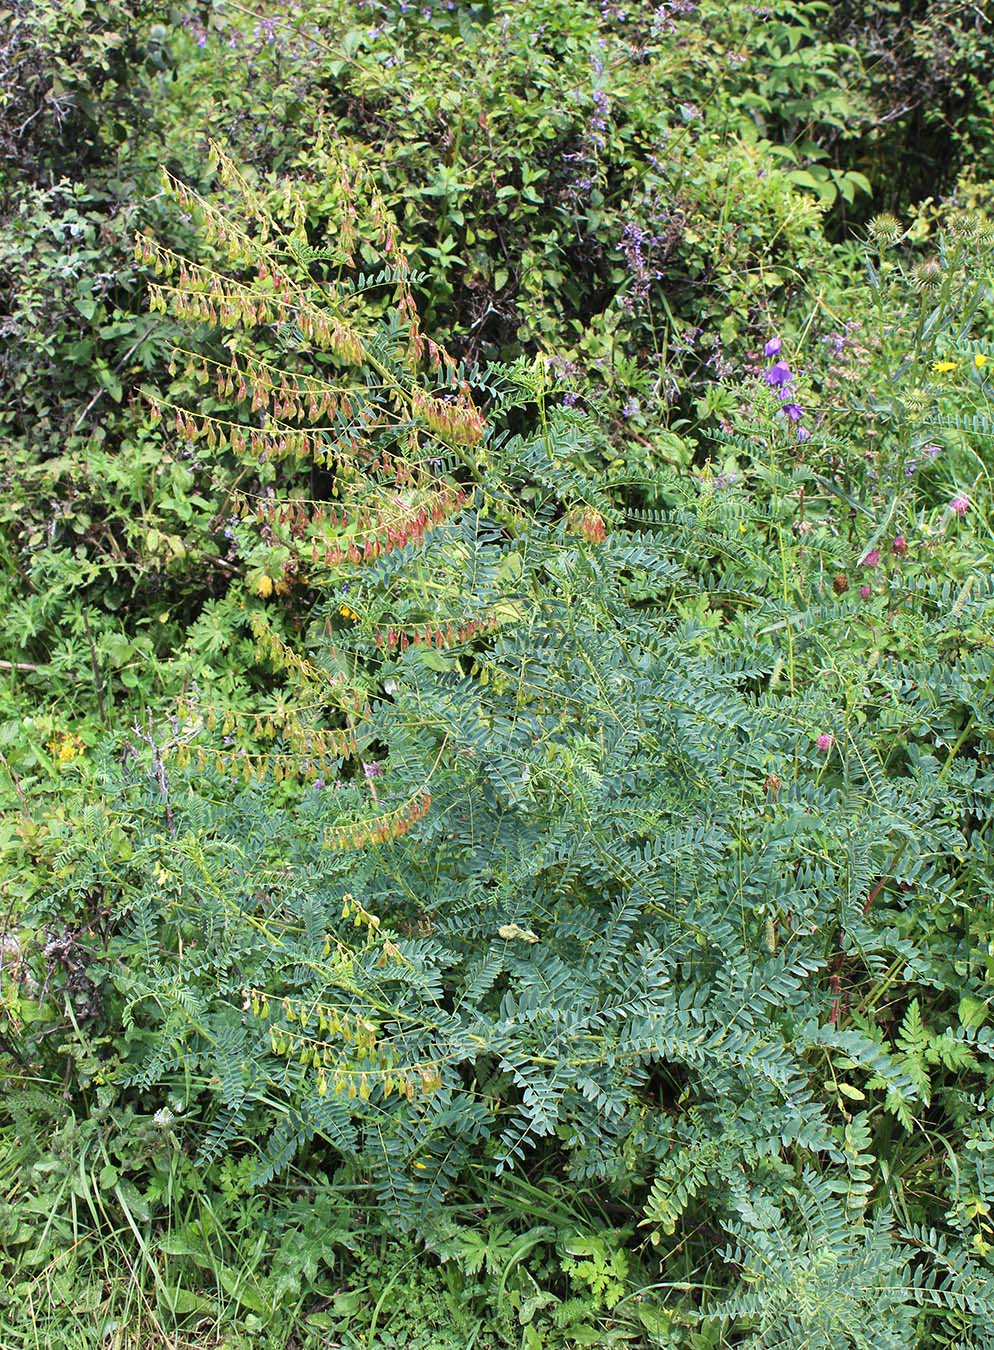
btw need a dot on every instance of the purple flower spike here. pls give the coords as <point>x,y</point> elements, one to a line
<point>772,348</point>
<point>803,434</point>
<point>794,411</point>
<point>778,376</point>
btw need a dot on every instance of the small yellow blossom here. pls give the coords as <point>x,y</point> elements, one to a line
<point>65,748</point>
<point>943,367</point>
<point>979,360</point>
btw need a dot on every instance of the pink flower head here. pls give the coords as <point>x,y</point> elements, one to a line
<point>872,559</point>
<point>900,546</point>
<point>960,505</point>
<point>864,592</point>
<point>825,741</point>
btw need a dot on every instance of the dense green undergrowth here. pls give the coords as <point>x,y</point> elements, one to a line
<point>497,688</point>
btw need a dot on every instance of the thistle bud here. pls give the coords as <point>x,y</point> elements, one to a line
<point>965,225</point>
<point>885,230</point>
<point>926,276</point>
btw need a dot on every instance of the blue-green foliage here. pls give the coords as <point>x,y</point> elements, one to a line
<point>645,921</point>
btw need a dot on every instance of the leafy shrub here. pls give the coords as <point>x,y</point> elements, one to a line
<point>73,79</point>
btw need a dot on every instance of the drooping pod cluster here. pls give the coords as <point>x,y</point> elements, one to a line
<point>459,422</point>
<point>433,635</point>
<point>344,1052</point>
<point>287,395</point>
<point>589,523</point>
<point>303,513</point>
<point>263,444</point>
<point>252,766</point>
<point>383,426</point>
<point>203,296</point>
<point>280,721</point>
<point>363,918</point>
<point>191,290</point>
<point>314,752</point>
<point>216,228</point>
<point>393,532</point>
<point>334,685</point>
<point>362,535</point>
<point>382,829</point>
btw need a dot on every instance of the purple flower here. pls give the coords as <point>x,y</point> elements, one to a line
<point>597,121</point>
<point>803,434</point>
<point>931,451</point>
<point>960,504</point>
<point>864,592</point>
<point>793,410</point>
<point>373,769</point>
<point>900,546</point>
<point>772,348</point>
<point>872,559</point>
<point>635,242</point>
<point>825,741</point>
<point>778,376</point>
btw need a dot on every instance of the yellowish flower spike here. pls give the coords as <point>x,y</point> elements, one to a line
<point>944,367</point>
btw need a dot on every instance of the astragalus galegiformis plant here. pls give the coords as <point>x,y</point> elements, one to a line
<point>558,836</point>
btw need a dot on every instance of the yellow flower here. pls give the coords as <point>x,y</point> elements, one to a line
<point>65,747</point>
<point>943,367</point>
<point>979,360</point>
